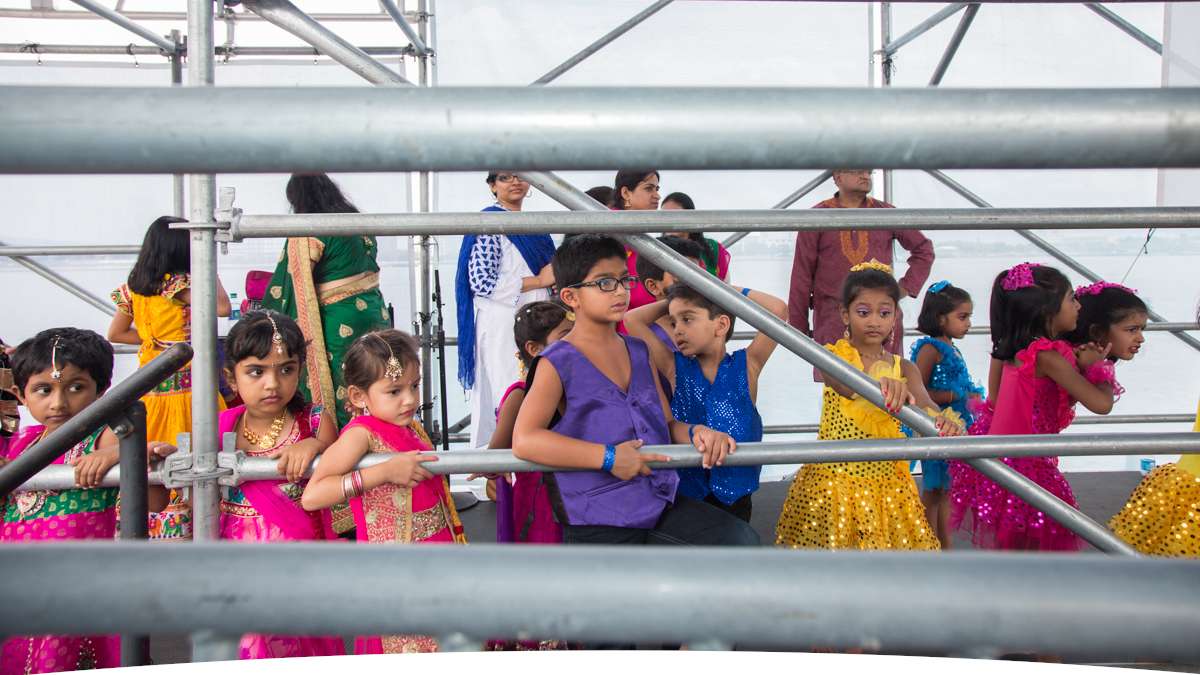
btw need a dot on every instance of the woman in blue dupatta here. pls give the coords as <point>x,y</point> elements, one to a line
<point>496,275</point>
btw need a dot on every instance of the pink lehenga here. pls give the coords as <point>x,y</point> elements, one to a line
<point>1027,404</point>
<point>65,515</point>
<point>390,514</point>
<point>269,510</point>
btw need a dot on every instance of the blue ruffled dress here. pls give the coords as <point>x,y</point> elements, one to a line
<point>949,374</point>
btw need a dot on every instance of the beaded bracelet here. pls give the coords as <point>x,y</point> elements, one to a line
<point>610,457</point>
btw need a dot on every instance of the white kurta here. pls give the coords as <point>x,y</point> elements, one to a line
<point>496,363</point>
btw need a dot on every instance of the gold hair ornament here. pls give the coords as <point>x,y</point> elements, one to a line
<point>55,371</point>
<point>873,264</point>
<point>276,336</point>
<point>392,370</point>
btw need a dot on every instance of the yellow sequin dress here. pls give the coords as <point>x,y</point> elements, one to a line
<point>855,505</point>
<point>1162,516</point>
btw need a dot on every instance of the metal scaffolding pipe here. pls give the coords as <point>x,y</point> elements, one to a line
<point>22,251</point>
<point>62,282</point>
<point>135,649</point>
<point>1126,27</point>
<point>148,50</point>
<point>287,16</point>
<point>134,15</point>
<point>920,29</point>
<point>405,27</point>
<point>124,22</point>
<point>244,226</point>
<point>955,41</point>
<point>782,599</point>
<point>601,43</point>
<point>203,287</point>
<point>789,338</point>
<point>787,202</point>
<point>1051,249</point>
<point>452,129</point>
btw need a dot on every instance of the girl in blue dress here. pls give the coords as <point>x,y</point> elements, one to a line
<point>945,317</point>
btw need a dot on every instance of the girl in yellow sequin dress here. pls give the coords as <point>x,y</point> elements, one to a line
<point>863,505</point>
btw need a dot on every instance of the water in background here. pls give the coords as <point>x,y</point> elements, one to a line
<point>1163,379</point>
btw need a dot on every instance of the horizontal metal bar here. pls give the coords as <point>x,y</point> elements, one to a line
<point>768,598</point>
<point>453,129</point>
<point>786,202</point>
<point>1162,326</point>
<point>923,27</point>
<point>17,251</point>
<point>678,220</point>
<point>756,454</point>
<point>148,50</point>
<point>126,23</point>
<point>1185,418</point>
<point>104,411</point>
<point>323,17</point>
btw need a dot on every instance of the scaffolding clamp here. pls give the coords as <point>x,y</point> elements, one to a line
<point>179,470</point>
<point>229,218</point>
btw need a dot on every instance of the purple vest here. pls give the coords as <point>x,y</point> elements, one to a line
<point>599,412</point>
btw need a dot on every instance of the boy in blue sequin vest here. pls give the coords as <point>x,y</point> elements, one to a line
<point>711,386</point>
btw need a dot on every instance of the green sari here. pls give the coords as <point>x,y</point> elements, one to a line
<point>331,320</point>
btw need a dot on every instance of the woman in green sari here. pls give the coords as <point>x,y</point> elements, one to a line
<point>330,285</point>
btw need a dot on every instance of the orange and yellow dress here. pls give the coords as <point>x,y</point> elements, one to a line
<point>855,505</point>
<point>1162,516</point>
<point>163,320</point>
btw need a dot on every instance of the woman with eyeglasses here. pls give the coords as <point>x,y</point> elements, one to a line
<point>496,275</point>
<point>636,190</point>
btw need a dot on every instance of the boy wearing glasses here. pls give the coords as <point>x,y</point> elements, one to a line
<point>602,396</point>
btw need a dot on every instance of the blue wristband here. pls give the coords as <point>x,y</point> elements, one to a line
<point>610,456</point>
<point>746,292</point>
<point>691,433</point>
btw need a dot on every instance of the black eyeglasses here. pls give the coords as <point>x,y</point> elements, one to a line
<point>507,177</point>
<point>609,284</point>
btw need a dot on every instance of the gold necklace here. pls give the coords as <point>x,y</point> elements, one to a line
<point>267,440</point>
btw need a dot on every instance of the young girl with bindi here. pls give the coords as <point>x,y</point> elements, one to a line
<point>864,505</point>
<point>397,500</point>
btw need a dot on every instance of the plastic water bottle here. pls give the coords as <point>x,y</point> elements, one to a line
<point>235,311</point>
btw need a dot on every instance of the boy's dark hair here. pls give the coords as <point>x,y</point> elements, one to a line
<point>534,322</point>
<point>601,193</point>
<point>576,257</point>
<point>251,338</point>
<point>366,360</point>
<point>691,295</point>
<point>628,179</point>
<point>684,247</point>
<point>873,279</point>
<point>1020,316</point>
<point>83,349</point>
<point>164,253</point>
<point>1098,312</point>
<point>938,304</point>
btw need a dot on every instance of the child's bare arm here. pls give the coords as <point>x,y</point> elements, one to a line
<point>995,372</point>
<point>502,437</point>
<point>325,488</point>
<point>638,322</point>
<point>923,399</point>
<point>1096,398</point>
<point>90,469</point>
<point>121,330</point>
<point>762,346</point>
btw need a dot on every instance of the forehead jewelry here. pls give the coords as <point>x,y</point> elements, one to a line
<point>55,372</point>
<point>392,370</point>
<point>276,336</point>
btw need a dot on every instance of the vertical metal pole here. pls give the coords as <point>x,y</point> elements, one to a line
<point>423,244</point>
<point>135,649</point>
<point>885,62</point>
<point>177,80</point>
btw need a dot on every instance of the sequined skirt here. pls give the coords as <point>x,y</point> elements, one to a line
<point>1162,516</point>
<point>854,505</point>
<point>1000,519</point>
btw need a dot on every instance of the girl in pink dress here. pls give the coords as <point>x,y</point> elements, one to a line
<point>264,355</point>
<point>57,374</point>
<point>1041,379</point>
<point>397,501</point>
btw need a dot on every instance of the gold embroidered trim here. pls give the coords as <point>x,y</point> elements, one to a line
<point>333,295</point>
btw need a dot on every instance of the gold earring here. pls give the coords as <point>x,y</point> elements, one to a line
<point>846,333</point>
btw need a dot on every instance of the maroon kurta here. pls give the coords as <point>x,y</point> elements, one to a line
<point>823,259</point>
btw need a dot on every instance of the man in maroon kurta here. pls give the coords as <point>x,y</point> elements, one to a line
<point>824,258</point>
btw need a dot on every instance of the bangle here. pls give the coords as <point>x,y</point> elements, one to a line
<point>746,292</point>
<point>347,488</point>
<point>356,480</point>
<point>610,457</point>
<point>352,485</point>
<point>691,433</point>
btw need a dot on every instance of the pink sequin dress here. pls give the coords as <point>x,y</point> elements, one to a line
<point>1026,404</point>
<point>58,515</point>
<point>269,510</point>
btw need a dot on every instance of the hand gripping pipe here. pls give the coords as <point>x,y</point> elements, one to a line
<point>108,408</point>
<point>657,253</point>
